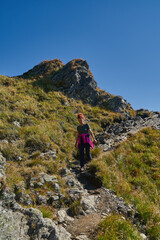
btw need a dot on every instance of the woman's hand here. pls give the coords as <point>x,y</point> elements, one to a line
<point>95,141</point>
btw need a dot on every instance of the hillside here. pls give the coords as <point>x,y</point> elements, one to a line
<point>43,195</point>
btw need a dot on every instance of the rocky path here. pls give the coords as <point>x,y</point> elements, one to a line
<point>91,201</point>
<point>105,201</point>
<point>96,203</point>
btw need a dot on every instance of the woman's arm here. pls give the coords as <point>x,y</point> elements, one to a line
<point>93,137</point>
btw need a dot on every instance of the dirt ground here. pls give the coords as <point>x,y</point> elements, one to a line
<point>86,225</point>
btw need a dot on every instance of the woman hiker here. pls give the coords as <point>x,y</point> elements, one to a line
<point>83,139</point>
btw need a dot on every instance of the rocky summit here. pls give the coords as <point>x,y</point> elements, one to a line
<point>76,81</point>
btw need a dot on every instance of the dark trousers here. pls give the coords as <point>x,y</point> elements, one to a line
<point>83,146</point>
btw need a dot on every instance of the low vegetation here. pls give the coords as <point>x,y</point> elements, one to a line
<point>133,172</point>
<point>116,227</point>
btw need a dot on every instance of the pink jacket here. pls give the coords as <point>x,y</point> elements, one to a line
<point>86,139</point>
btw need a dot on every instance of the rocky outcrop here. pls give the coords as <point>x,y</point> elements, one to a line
<point>118,104</point>
<point>21,224</point>
<point>13,225</point>
<point>76,81</point>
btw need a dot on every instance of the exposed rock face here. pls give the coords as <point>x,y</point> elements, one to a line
<point>22,224</point>
<point>13,225</point>
<point>117,104</point>
<point>76,81</point>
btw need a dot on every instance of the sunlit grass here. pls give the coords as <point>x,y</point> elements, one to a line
<point>114,227</point>
<point>132,171</point>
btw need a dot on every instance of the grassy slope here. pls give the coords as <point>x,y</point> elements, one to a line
<point>48,123</point>
<point>133,172</point>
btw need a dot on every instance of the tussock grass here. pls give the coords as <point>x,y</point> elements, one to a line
<point>46,211</point>
<point>115,227</point>
<point>13,174</point>
<point>75,208</point>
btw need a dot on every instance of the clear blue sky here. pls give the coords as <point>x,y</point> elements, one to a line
<point>120,39</point>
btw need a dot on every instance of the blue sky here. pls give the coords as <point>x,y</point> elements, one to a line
<point>120,39</point>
